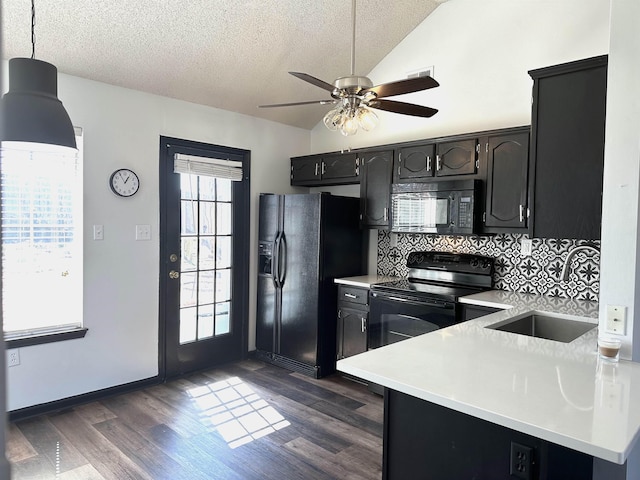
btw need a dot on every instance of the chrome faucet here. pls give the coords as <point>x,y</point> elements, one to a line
<point>567,261</point>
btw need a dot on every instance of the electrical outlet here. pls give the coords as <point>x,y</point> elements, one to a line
<point>525,247</point>
<point>13,357</point>
<point>98,232</point>
<point>616,319</point>
<point>521,461</point>
<point>143,232</point>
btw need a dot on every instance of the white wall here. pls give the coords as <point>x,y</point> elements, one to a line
<point>481,52</point>
<point>122,128</point>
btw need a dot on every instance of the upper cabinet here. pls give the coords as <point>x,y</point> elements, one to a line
<point>459,157</point>
<point>414,164</point>
<point>567,136</point>
<point>375,188</point>
<point>326,169</point>
<point>506,205</point>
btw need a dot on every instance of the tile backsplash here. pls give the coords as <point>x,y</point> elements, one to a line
<point>539,273</point>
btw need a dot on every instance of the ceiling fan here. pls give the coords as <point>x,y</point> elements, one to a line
<point>355,96</point>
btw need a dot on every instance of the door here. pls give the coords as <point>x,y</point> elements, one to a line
<point>340,168</point>
<point>415,163</point>
<point>204,226</point>
<point>299,270</point>
<point>305,170</point>
<point>507,180</point>
<point>456,158</point>
<point>375,188</point>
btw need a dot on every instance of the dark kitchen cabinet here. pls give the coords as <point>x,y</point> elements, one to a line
<point>458,157</point>
<point>414,164</point>
<point>326,169</point>
<point>353,315</point>
<point>425,440</point>
<point>567,149</point>
<point>375,188</point>
<point>507,187</point>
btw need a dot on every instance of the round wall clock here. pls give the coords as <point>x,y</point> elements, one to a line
<point>124,182</point>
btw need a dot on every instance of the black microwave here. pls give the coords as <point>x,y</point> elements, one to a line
<point>446,207</point>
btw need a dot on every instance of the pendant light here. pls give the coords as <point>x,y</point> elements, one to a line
<point>32,117</point>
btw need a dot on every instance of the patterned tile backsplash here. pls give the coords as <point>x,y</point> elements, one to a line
<point>538,273</point>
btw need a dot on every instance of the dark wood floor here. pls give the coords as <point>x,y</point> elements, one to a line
<point>244,421</point>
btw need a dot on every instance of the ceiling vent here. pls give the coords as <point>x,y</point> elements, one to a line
<point>421,72</point>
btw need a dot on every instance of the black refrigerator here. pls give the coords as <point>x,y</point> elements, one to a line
<point>305,241</point>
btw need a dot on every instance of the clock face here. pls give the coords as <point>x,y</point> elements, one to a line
<point>124,182</point>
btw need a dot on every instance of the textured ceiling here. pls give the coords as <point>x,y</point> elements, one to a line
<point>229,54</point>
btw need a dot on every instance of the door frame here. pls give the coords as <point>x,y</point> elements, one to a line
<point>241,233</point>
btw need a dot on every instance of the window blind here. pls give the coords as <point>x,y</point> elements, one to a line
<point>208,167</point>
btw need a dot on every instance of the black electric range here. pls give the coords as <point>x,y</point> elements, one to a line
<point>427,299</point>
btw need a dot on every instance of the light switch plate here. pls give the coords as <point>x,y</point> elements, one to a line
<point>525,247</point>
<point>616,319</point>
<point>98,232</point>
<point>143,232</point>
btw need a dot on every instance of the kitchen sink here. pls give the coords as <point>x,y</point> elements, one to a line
<point>549,327</point>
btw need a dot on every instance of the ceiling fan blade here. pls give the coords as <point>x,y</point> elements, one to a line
<point>314,81</point>
<point>402,107</point>
<point>318,102</point>
<point>403,86</point>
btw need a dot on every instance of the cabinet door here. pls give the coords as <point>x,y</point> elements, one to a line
<point>340,168</point>
<point>375,187</point>
<point>305,170</point>
<point>457,158</point>
<point>567,136</point>
<point>414,163</point>
<point>507,180</point>
<point>353,337</point>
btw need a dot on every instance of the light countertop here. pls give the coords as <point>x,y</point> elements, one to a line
<point>559,392</point>
<point>365,281</point>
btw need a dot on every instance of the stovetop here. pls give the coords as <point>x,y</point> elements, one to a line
<point>425,290</point>
<point>443,276</point>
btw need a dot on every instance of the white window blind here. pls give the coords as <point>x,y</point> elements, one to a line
<point>208,167</point>
<point>41,241</point>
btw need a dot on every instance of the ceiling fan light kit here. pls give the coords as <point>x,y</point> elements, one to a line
<point>355,96</point>
<point>32,116</point>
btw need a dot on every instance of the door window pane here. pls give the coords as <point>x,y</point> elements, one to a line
<point>207,218</point>
<point>206,258</point>
<point>188,217</point>
<point>188,186</point>
<point>205,294</point>
<point>208,188</point>
<point>223,285</point>
<point>223,252</point>
<point>205,321</point>
<point>187,325</point>
<point>223,190</point>
<point>222,318</point>
<point>188,289</point>
<point>224,219</point>
<point>189,254</point>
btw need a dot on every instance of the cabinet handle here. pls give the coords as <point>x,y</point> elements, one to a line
<point>428,163</point>
<point>324,167</point>
<point>438,162</point>
<point>385,215</point>
<point>350,295</point>
<point>316,169</point>
<point>363,324</point>
<point>521,213</point>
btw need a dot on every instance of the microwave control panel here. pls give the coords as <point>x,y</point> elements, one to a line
<point>465,212</point>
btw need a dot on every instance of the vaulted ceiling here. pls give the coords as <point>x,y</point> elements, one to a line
<point>229,54</point>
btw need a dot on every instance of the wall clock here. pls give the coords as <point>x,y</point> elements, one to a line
<point>124,182</point>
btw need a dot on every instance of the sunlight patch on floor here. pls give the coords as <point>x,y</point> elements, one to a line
<point>236,412</point>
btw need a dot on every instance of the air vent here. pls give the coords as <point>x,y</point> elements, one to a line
<point>421,72</point>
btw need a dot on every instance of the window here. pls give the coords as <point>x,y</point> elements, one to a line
<point>41,245</point>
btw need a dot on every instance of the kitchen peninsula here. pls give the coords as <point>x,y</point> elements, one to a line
<point>458,401</point>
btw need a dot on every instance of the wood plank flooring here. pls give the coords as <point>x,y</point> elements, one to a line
<point>243,421</point>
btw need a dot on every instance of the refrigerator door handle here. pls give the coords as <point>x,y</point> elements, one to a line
<point>276,261</point>
<point>282,259</point>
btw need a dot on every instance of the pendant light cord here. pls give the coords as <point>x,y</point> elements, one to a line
<point>33,29</point>
<point>353,37</point>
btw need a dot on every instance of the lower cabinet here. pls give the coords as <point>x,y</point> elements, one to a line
<point>353,315</point>
<point>425,440</point>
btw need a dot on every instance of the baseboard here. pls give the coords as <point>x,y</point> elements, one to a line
<point>70,402</point>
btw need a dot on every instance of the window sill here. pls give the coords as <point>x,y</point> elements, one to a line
<point>45,338</point>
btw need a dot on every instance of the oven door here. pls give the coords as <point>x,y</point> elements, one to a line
<point>395,317</point>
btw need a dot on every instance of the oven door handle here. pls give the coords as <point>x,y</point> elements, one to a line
<point>414,302</point>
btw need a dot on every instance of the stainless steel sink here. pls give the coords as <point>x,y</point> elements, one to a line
<point>543,326</point>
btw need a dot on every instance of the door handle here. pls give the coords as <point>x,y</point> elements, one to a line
<point>173,274</point>
<point>282,259</point>
<point>275,262</point>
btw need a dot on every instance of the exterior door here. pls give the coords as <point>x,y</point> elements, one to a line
<point>204,225</point>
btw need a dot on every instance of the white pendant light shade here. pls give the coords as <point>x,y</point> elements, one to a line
<point>31,111</point>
